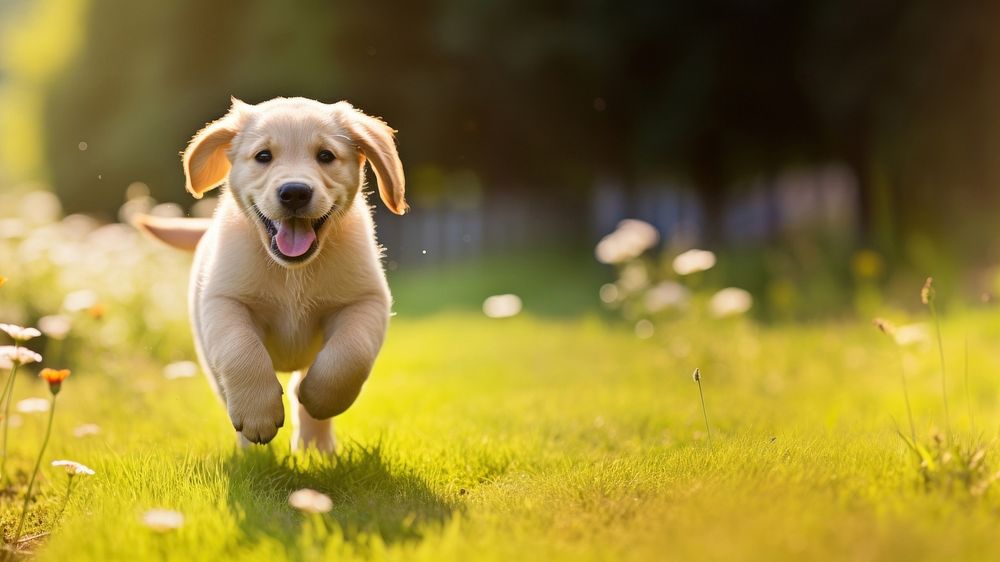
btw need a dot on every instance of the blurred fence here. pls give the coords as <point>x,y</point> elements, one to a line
<point>823,199</point>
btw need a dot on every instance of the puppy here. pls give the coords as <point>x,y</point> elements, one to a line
<point>287,275</point>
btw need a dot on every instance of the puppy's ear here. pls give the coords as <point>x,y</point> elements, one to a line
<point>375,141</point>
<point>205,162</point>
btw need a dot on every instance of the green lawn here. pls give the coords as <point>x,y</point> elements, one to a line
<point>543,437</point>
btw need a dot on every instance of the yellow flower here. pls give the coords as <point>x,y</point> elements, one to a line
<point>54,377</point>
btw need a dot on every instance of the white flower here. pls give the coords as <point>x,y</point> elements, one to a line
<point>310,501</point>
<point>693,261</point>
<point>180,370</point>
<point>80,300</point>
<point>163,520</point>
<point>502,306</point>
<point>666,294</point>
<point>912,334</point>
<point>74,468</point>
<point>628,241</point>
<point>86,429</point>
<point>55,326</point>
<point>18,333</point>
<point>9,355</point>
<point>33,406</point>
<point>729,302</point>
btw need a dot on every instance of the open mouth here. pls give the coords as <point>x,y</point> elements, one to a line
<point>294,238</point>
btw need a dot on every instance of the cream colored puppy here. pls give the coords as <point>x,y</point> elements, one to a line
<point>287,275</point>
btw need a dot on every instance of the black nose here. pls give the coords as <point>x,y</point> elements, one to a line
<point>294,195</point>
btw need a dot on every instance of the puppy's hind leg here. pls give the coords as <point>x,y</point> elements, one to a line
<point>308,431</point>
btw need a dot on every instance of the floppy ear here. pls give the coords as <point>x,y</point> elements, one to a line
<point>205,162</point>
<point>375,141</point>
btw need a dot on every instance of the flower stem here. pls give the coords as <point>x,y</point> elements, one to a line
<point>34,473</point>
<point>69,491</point>
<point>5,399</point>
<point>968,395</point>
<point>704,411</point>
<point>944,382</point>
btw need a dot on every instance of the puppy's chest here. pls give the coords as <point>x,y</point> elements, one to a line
<point>292,330</point>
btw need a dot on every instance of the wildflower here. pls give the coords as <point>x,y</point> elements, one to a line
<point>629,240</point>
<point>163,520</point>
<point>33,406</point>
<point>11,355</point>
<point>55,326</point>
<point>502,306</point>
<point>694,261</point>
<point>74,468</point>
<point>55,378</point>
<point>86,429</point>
<point>696,376</point>
<point>18,333</point>
<point>927,293</point>
<point>310,501</point>
<point>730,302</point>
<point>180,370</point>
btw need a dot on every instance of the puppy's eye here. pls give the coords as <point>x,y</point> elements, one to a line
<point>264,156</point>
<point>325,156</point>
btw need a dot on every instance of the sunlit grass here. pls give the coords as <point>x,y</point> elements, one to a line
<point>538,439</point>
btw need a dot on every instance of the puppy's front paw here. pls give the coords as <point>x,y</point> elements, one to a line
<point>257,415</point>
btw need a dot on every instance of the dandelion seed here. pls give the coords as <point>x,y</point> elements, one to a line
<point>33,406</point>
<point>163,520</point>
<point>11,355</point>
<point>74,468</point>
<point>694,261</point>
<point>19,333</point>
<point>310,501</point>
<point>86,430</point>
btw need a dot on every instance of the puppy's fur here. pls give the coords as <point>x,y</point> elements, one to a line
<point>320,312</point>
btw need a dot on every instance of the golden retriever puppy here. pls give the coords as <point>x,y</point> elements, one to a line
<point>287,276</point>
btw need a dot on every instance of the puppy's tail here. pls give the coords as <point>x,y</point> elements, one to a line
<point>180,233</point>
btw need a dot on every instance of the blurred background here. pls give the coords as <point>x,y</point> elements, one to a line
<point>831,153</point>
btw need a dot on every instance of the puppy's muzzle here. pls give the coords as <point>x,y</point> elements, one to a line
<point>294,195</point>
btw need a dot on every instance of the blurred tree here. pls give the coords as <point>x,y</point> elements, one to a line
<point>542,97</point>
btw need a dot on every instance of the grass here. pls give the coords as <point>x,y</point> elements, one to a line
<point>541,437</point>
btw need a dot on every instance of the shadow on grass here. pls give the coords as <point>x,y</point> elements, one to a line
<point>371,495</point>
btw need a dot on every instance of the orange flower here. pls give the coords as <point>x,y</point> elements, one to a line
<point>54,377</point>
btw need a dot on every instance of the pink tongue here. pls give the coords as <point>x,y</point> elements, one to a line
<point>295,237</point>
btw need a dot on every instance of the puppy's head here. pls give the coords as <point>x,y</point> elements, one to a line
<point>294,167</point>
